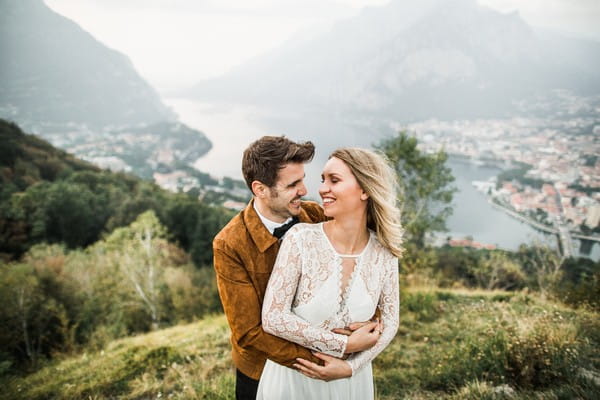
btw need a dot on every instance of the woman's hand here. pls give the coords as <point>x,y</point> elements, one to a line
<point>333,368</point>
<point>364,337</point>
<point>354,326</point>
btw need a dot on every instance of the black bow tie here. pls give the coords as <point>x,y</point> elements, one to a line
<point>279,232</point>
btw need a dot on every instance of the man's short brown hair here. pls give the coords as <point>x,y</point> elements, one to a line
<point>264,158</point>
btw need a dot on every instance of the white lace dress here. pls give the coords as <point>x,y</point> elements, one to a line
<point>304,301</point>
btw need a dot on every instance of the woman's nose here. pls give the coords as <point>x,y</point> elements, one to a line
<point>323,188</point>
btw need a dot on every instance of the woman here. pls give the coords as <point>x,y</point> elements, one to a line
<point>330,274</point>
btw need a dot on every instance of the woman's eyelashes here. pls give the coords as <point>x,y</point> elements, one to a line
<point>331,179</point>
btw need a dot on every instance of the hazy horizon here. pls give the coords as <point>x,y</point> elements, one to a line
<point>172,44</point>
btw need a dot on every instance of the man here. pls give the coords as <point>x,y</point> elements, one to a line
<point>246,249</point>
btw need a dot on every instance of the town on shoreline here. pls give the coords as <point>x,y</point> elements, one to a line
<point>550,166</point>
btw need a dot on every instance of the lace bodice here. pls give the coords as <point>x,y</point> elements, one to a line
<point>304,300</point>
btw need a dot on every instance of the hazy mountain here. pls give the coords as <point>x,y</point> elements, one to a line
<point>53,72</point>
<point>440,58</point>
<point>59,82</point>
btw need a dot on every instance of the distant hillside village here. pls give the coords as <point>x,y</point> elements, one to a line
<point>550,166</point>
<point>163,152</point>
<point>233,194</point>
<point>552,202</point>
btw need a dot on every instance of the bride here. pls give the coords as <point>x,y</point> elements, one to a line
<point>330,274</point>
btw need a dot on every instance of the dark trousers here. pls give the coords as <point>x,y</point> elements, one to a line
<point>245,387</point>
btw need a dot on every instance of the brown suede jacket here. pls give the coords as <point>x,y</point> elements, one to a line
<point>244,255</point>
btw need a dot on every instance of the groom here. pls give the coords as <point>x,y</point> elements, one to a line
<point>245,252</point>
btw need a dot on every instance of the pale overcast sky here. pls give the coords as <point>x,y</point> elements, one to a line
<point>175,43</point>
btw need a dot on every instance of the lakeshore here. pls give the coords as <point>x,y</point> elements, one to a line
<point>487,227</point>
<point>232,128</point>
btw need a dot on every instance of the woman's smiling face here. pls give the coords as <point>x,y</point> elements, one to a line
<point>340,191</point>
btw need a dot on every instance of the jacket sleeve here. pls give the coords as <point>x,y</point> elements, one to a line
<point>242,308</point>
<point>314,212</point>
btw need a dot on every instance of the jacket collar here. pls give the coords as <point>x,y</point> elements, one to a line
<point>262,238</point>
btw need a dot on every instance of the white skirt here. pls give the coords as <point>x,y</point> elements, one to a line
<point>281,383</point>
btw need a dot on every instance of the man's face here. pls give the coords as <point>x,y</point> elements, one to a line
<point>284,197</point>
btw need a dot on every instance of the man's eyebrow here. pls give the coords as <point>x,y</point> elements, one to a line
<point>297,181</point>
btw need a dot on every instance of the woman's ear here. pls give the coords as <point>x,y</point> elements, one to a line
<point>364,196</point>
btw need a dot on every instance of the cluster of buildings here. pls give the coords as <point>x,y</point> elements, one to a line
<point>470,243</point>
<point>175,181</point>
<point>562,151</point>
<point>439,239</point>
<point>115,150</point>
<point>557,151</point>
<point>552,202</point>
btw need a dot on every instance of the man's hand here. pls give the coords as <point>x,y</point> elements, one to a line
<point>333,368</point>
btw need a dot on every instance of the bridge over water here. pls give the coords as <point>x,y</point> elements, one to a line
<point>562,231</point>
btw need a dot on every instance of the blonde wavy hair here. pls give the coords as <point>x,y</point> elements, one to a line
<point>377,178</point>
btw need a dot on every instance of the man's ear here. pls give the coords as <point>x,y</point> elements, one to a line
<point>259,189</point>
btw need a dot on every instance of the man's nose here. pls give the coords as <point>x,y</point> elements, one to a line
<point>302,189</point>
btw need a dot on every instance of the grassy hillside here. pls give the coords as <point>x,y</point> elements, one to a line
<point>27,159</point>
<point>185,361</point>
<point>451,345</point>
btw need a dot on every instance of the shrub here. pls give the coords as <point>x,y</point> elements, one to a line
<point>477,390</point>
<point>533,355</point>
<point>579,283</point>
<point>34,321</point>
<point>423,304</point>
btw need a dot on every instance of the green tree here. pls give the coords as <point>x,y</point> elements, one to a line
<point>62,212</point>
<point>10,149</point>
<point>194,225</point>
<point>34,322</point>
<point>424,180</point>
<point>141,257</point>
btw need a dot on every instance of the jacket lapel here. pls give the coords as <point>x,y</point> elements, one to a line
<point>261,237</point>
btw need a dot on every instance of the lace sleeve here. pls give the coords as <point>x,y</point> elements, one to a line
<point>389,305</point>
<point>277,317</point>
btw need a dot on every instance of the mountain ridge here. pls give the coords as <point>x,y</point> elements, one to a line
<point>57,73</point>
<point>454,59</point>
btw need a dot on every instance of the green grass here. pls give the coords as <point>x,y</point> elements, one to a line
<point>183,362</point>
<point>489,345</point>
<point>452,344</point>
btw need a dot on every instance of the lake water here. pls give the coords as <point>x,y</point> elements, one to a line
<point>232,128</point>
<point>473,215</point>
